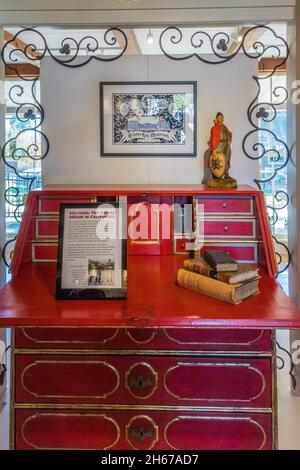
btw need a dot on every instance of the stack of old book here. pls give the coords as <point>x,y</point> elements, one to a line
<point>218,275</point>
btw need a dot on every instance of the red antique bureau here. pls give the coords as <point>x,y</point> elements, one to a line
<point>165,369</point>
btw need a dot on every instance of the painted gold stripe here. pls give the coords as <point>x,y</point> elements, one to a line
<point>223,241</point>
<point>134,352</point>
<point>225,217</point>
<point>96,406</point>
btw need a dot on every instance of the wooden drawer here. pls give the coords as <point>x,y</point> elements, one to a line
<point>154,380</point>
<point>141,430</point>
<point>50,205</point>
<point>237,205</point>
<point>226,228</point>
<point>182,246</point>
<point>241,252</point>
<point>187,339</point>
<point>44,252</point>
<point>46,228</point>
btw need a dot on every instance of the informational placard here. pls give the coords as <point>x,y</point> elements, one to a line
<point>92,258</point>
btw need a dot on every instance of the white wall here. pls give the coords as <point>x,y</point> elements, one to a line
<point>71,102</point>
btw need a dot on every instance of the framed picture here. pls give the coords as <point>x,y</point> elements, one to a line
<point>148,119</point>
<point>92,251</point>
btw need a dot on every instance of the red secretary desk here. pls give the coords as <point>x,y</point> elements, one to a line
<point>165,369</point>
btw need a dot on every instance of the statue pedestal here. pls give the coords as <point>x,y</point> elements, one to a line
<point>222,183</point>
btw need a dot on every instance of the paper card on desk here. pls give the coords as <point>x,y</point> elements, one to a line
<point>92,251</point>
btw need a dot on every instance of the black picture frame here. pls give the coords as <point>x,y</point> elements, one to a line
<point>172,130</point>
<point>92,292</point>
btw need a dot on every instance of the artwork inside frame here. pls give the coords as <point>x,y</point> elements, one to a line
<point>148,119</point>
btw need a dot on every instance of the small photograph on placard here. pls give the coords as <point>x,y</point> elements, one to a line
<point>101,272</point>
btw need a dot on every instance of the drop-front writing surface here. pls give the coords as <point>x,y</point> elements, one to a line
<point>154,299</point>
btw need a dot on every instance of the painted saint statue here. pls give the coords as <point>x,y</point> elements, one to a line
<point>219,160</point>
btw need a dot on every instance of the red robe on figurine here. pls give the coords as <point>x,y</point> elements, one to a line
<point>215,135</point>
<point>220,141</point>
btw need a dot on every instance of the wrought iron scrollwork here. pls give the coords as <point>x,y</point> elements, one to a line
<point>283,200</point>
<point>28,111</point>
<point>292,372</point>
<point>252,143</point>
<point>262,142</point>
<point>218,49</point>
<point>282,265</point>
<point>70,53</point>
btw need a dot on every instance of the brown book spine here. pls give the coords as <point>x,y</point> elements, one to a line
<point>207,286</point>
<point>205,271</point>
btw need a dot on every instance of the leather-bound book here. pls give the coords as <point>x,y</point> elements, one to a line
<point>231,293</point>
<point>220,261</point>
<point>245,272</point>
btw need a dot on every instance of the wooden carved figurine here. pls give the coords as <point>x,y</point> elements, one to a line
<point>219,160</point>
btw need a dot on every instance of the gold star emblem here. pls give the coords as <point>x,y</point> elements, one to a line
<point>216,164</point>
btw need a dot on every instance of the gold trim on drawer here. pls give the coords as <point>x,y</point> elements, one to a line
<point>48,219</point>
<point>169,336</point>
<point>31,338</point>
<point>143,352</point>
<point>128,332</point>
<point>155,439</point>
<point>226,215</point>
<point>155,386</point>
<point>36,363</point>
<point>200,201</point>
<point>226,241</point>
<point>179,235</point>
<point>214,364</point>
<point>36,416</point>
<point>37,244</point>
<point>140,407</point>
<point>215,418</point>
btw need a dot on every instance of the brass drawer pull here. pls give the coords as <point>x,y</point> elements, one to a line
<point>141,382</point>
<point>141,433</point>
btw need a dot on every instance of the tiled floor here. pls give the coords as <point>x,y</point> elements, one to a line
<point>288,410</point>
